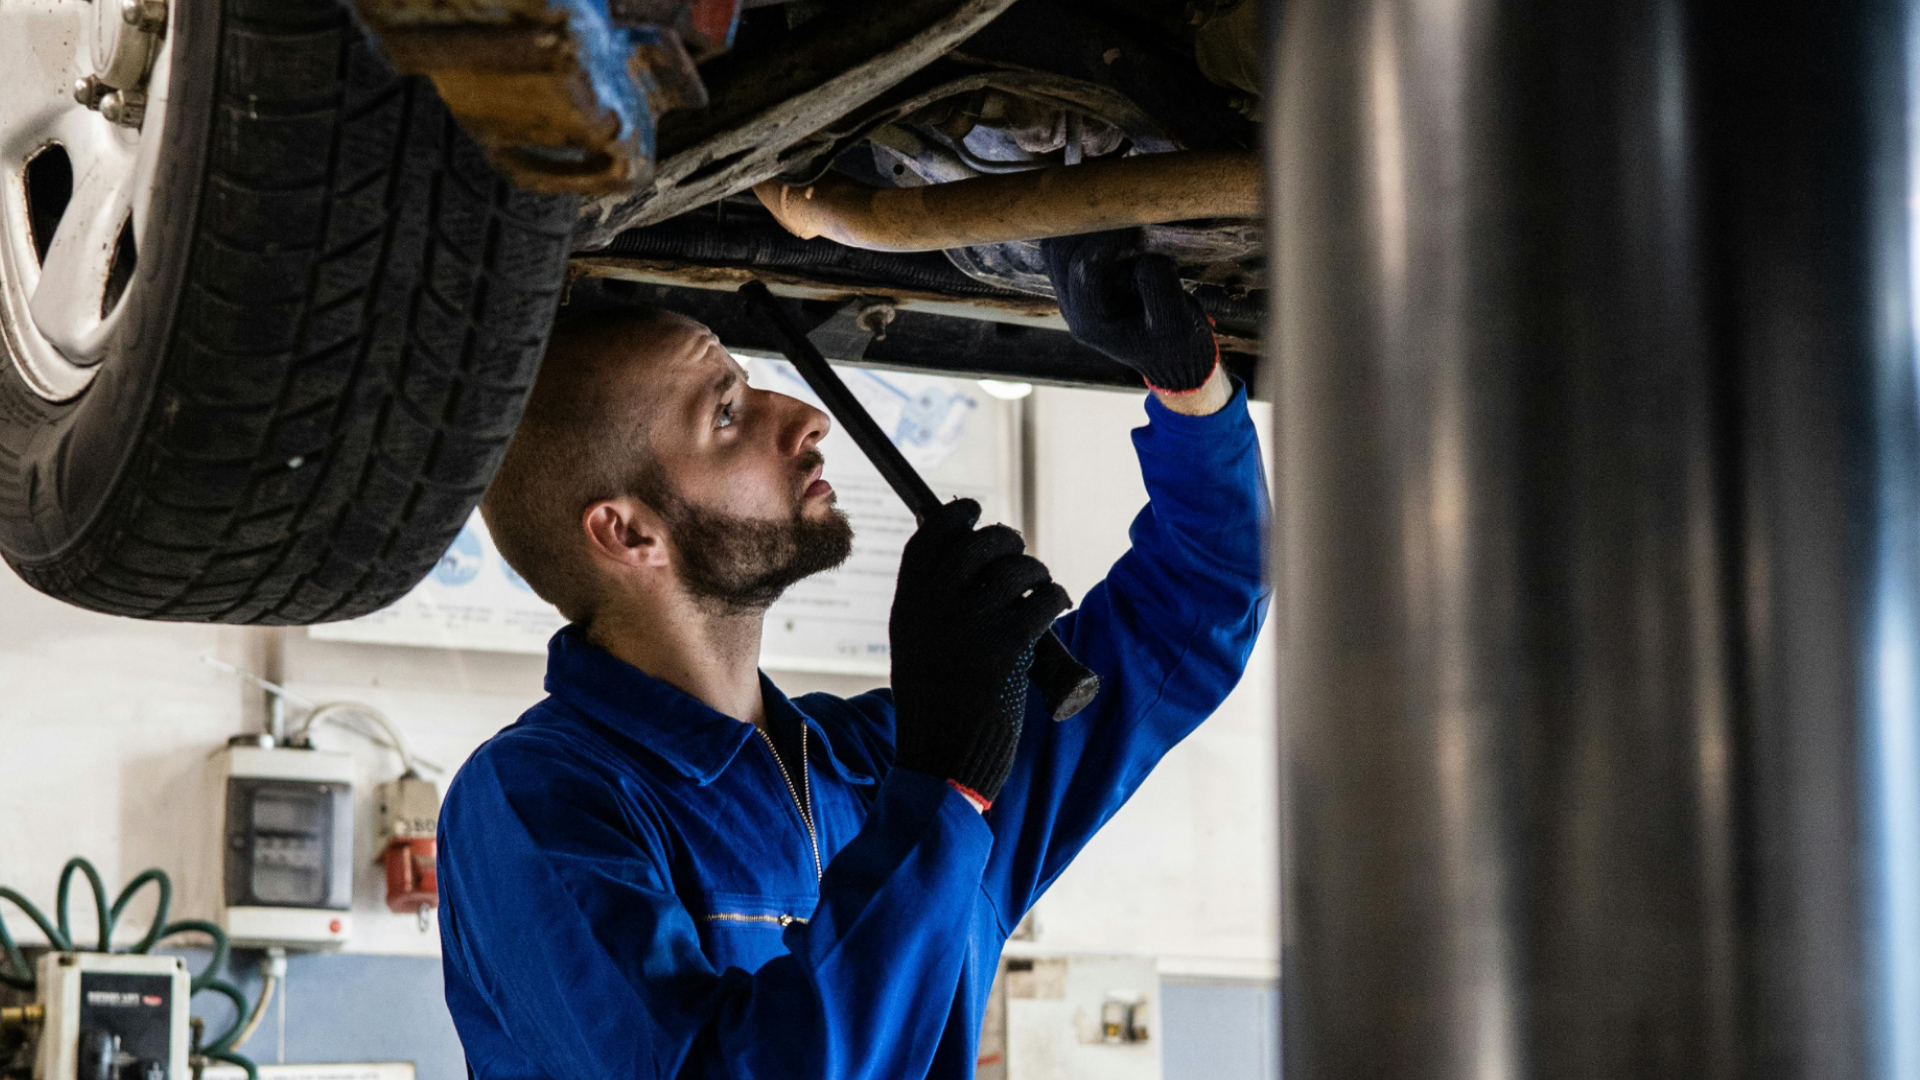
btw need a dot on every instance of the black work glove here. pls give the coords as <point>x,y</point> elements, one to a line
<point>1131,306</point>
<point>968,608</point>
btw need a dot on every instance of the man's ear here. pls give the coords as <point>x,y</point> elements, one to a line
<point>625,531</point>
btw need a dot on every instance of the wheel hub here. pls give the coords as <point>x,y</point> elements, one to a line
<point>125,37</point>
<point>83,85</point>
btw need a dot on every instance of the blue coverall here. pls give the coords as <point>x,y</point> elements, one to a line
<point>627,890</point>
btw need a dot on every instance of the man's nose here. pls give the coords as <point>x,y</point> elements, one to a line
<point>804,427</point>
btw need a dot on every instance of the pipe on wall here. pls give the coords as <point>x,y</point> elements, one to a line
<point>1113,193</point>
<point>1598,549</point>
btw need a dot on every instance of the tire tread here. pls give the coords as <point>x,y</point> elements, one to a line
<point>359,329</point>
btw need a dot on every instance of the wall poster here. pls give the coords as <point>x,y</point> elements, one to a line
<point>962,440</point>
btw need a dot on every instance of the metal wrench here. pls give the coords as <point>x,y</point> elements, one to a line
<point>1065,683</point>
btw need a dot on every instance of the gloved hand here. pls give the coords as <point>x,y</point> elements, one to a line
<point>1131,306</point>
<point>969,606</point>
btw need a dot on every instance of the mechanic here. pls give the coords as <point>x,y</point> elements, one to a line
<point>668,869</point>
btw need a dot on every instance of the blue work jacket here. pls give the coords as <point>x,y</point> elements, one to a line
<point>628,891</point>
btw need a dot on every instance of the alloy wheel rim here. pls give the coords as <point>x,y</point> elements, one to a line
<point>83,92</point>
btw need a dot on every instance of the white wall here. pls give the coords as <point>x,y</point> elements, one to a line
<point>106,725</point>
<point>1189,868</point>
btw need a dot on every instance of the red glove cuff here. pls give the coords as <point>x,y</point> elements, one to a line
<point>980,802</point>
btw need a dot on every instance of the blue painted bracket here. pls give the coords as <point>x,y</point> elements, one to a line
<point>563,95</point>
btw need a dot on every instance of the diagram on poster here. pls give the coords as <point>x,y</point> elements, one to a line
<point>960,439</point>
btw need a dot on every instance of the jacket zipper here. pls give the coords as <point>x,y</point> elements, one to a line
<point>805,809</point>
<point>730,916</point>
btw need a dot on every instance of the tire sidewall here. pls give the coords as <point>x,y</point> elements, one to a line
<point>61,463</point>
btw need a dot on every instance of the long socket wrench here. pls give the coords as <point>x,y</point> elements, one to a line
<point>1065,684</point>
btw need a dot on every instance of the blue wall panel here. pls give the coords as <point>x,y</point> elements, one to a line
<point>390,1008</point>
<point>1220,1031</point>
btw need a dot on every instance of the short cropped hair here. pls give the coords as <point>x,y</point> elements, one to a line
<point>582,438</point>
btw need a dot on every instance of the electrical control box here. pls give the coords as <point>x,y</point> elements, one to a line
<point>112,1017</point>
<point>287,841</point>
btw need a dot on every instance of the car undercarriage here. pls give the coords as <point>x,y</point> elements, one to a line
<point>275,277</point>
<point>1043,88</point>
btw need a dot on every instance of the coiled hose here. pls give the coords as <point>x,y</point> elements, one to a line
<point>15,972</point>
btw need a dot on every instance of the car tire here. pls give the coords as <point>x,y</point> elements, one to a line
<point>339,311</point>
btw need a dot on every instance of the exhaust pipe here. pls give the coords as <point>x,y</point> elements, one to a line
<point>1110,194</point>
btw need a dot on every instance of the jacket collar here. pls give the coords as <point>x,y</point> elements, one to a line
<point>693,737</point>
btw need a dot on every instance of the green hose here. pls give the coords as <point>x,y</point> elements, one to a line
<point>232,993</point>
<point>232,1058</point>
<point>162,903</point>
<point>188,926</point>
<point>16,961</point>
<point>15,972</point>
<point>100,917</point>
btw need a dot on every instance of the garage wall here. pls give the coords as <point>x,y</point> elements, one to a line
<point>1188,870</point>
<point>106,726</point>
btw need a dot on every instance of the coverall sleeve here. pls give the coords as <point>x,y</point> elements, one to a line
<point>1168,631</point>
<point>559,911</point>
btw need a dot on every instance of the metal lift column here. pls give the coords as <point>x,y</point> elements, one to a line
<point>1597,547</point>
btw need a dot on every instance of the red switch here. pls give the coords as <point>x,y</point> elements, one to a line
<point>411,882</point>
<point>408,809</point>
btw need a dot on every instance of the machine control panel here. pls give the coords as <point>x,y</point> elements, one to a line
<point>125,1026</point>
<point>113,1017</point>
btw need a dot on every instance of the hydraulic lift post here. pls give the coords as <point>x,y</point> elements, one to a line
<point>1597,538</point>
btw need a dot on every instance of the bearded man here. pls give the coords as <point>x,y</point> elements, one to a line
<point>668,869</point>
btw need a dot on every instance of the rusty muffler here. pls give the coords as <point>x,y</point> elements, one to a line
<point>1116,193</point>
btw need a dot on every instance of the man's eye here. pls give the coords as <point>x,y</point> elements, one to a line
<point>726,415</point>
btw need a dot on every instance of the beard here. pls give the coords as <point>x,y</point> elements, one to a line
<point>742,565</point>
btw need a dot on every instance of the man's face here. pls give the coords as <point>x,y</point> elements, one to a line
<point>738,482</point>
